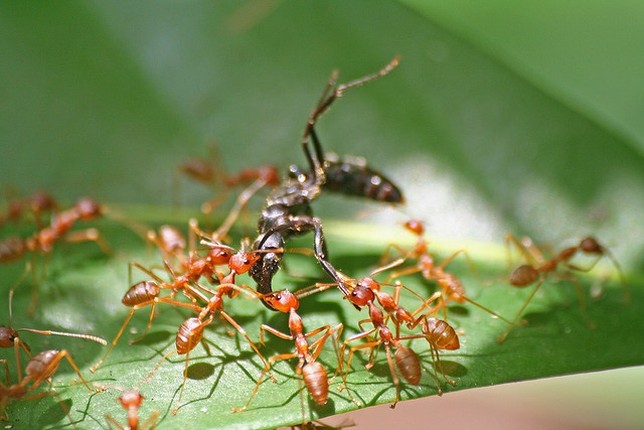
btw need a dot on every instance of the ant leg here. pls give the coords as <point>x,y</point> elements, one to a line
<point>50,360</point>
<point>515,320</point>
<point>89,235</point>
<point>320,249</point>
<point>267,368</point>
<point>240,204</point>
<point>241,331</point>
<point>529,252</point>
<point>329,95</point>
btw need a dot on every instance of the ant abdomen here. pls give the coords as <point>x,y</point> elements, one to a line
<point>357,179</point>
<point>39,367</point>
<point>189,335</point>
<point>408,363</point>
<point>524,276</point>
<point>141,292</point>
<point>442,335</point>
<point>12,249</point>
<point>317,381</point>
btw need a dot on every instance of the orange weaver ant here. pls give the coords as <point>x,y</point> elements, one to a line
<point>438,333</point>
<point>131,401</point>
<point>451,288</point>
<point>441,336</point>
<point>147,293</point>
<point>43,240</point>
<point>209,173</point>
<point>40,368</point>
<point>538,269</point>
<point>190,332</point>
<point>37,204</point>
<point>407,362</point>
<point>313,373</point>
<point>9,337</point>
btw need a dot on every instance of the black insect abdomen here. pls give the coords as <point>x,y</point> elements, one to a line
<point>360,180</point>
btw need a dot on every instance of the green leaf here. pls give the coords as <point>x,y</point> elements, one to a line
<point>106,100</point>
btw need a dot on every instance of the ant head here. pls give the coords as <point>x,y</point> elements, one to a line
<point>590,245</point>
<point>131,399</point>
<point>7,336</point>
<point>171,238</point>
<point>269,174</point>
<point>88,208</point>
<point>524,276</point>
<point>242,261</point>
<point>219,255</point>
<point>41,201</point>
<point>361,295</point>
<point>415,226</point>
<point>369,283</point>
<point>282,301</point>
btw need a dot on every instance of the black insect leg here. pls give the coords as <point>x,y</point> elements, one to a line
<point>303,223</point>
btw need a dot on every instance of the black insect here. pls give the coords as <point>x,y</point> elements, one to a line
<point>287,210</point>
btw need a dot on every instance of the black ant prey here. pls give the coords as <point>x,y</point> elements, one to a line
<point>287,210</point>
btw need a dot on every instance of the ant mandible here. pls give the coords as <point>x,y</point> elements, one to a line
<point>287,210</point>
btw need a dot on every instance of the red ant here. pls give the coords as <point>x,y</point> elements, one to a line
<point>170,242</point>
<point>40,368</point>
<point>313,373</point>
<point>538,268</point>
<point>147,293</point>
<point>438,333</point>
<point>9,337</point>
<point>450,286</point>
<point>441,336</point>
<point>131,401</point>
<point>43,240</point>
<point>365,293</point>
<point>210,174</point>
<point>190,332</point>
<point>38,203</point>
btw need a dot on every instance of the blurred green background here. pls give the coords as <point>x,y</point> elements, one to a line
<point>503,116</point>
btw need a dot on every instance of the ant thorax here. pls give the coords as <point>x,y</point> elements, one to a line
<point>331,158</point>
